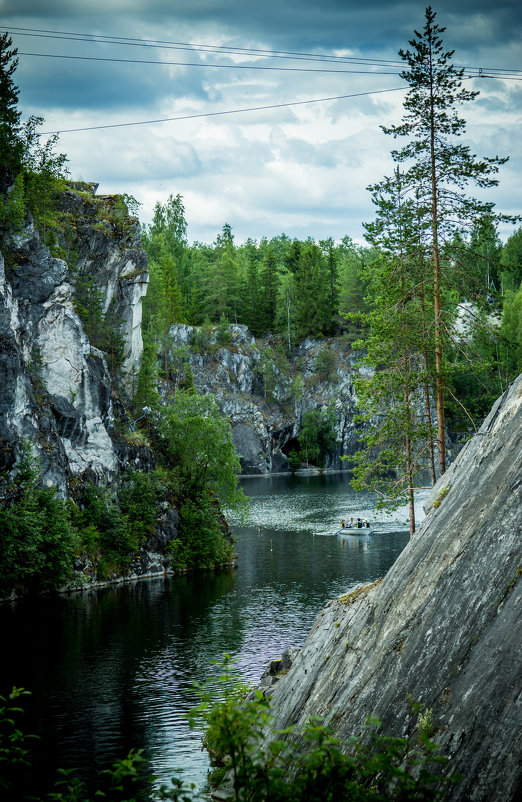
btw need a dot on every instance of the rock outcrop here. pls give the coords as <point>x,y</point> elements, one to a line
<point>265,395</point>
<point>56,388</point>
<point>443,626</point>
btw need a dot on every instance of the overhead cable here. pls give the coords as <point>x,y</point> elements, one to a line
<point>480,72</point>
<point>221,113</point>
<point>213,66</point>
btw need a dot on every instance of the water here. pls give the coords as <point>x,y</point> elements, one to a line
<point>114,669</point>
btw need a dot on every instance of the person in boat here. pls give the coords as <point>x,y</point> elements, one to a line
<point>359,523</point>
<point>366,524</point>
<point>343,524</point>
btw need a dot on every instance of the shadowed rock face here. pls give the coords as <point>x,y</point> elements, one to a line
<point>444,625</point>
<point>263,422</point>
<point>55,385</point>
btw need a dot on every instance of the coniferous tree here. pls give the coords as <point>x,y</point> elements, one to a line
<point>252,311</point>
<point>310,291</point>
<point>11,143</point>
<point>331,285</point>
<point>511,262</point>
<point>269,291</point>
<point>391,397</point>
<point>438,167</point>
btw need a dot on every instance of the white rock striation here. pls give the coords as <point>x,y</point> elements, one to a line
<point>55,388</point>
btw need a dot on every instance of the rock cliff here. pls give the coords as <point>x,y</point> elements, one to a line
<point>265,395</point>
<point>56,386</point>
<point>444,626</point>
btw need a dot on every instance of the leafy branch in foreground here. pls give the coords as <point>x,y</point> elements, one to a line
<point>254,762</point>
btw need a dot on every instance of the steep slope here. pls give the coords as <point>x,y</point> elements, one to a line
<point>56,386</point>
<point>444,625</point>
<point>265,395</point>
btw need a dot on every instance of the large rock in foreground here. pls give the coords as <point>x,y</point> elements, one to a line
<point>444,625</point>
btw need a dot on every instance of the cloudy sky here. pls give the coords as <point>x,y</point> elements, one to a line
<point>107,65</point>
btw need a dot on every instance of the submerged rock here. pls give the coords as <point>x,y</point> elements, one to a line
<point>443,627</point>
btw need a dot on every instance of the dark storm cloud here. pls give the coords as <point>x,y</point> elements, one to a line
<point>296,23</point>
<point>300,169</point>
<point>71,84</point>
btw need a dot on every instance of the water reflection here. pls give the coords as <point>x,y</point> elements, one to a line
<point>114,669</point>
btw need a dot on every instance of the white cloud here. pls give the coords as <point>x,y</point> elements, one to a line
<point>301,169</point>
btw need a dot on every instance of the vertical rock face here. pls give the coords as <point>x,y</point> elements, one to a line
<point>444,625</point>
<point>55,385</point>
<point>265,395</point>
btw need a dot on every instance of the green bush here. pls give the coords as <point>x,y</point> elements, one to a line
<point>294,460</point>
<point>253,761</point>
<point>38,541</point>
<point>202,542</point>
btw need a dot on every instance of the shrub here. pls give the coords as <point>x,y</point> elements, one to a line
<point>202,543</point>
<point>38,541</point>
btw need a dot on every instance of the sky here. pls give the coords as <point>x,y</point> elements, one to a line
<point>302,170</point>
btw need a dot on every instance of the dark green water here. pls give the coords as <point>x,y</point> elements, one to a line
<point>113,669</point>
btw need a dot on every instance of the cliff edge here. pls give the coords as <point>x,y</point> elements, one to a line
<point>443,627</point>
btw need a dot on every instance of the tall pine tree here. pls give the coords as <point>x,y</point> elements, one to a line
<point>438,166</point>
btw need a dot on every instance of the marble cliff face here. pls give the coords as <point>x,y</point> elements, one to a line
<point>56,389</point>
<point>444,626</point>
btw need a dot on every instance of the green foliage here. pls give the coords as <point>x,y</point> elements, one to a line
<point>436,170</point>
<point>425,725</point>
<point>113,524</point>
<point>38,541</point>
<point>442,495</point>
<point>511,334</point>
<point>14,746</point>
<point>197,440</point>
<point>253,761</point>
<point>44,174</point>
<point>318,437</point>
<point>223,333</point>
<point>511,262</point>
<point>12,208</point>
<point>11,144</point>
<point>326,366</point>
<point>201,541</point>
<point>202,342</point>
<point>294,461</point>
<point>102,326</point>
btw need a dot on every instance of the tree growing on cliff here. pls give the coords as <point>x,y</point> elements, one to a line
<point>318,436</point>
<point>438,167</point>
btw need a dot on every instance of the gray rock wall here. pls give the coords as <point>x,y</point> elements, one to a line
<point>266,415</point>
<point>444,625</point>
<point>55,388</point>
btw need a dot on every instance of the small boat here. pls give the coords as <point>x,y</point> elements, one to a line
<point>355,530</point>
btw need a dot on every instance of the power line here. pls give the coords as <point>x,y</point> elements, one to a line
<point>479,74</point>
<point>221,113</point>
<point>225,49</point>
<point>229,50</point>
<point>212,66</point>
<point>219,49</point>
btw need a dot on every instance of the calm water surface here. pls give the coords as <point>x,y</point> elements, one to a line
<point>114,668</point>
